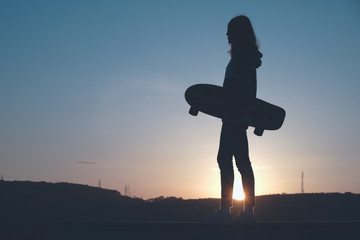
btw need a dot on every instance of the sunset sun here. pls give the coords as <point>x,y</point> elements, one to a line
<point>238,193</point>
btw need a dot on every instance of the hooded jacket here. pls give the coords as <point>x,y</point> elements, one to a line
<point>240,80</point>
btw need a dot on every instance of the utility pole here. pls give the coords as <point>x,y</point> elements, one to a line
<point>127,190</point>
<point>302,182</point>
<point>99,183</point>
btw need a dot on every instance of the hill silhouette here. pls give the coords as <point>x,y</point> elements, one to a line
<point>23,201</point>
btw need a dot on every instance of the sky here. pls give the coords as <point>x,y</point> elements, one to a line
<point>94,90</point>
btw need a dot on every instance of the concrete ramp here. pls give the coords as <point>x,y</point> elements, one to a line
<point>184,230</point>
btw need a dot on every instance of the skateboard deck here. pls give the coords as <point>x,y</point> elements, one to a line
<point>211,100</point>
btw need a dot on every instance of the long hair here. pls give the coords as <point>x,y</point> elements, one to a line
<point>241,34</point>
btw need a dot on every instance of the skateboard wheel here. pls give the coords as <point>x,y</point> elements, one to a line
<point>258,132</point>
<point>193,111</point>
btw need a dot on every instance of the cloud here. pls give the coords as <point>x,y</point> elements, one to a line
<point>214,169</point>
<point>261,167</point>
<point>86,162</point>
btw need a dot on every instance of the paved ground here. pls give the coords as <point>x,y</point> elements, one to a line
<point>181,230</point>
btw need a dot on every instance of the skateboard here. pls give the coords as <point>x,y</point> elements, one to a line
<point>211,100</point>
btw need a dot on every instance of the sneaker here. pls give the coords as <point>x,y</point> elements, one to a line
<point>219,216</point>
<point>245,217</point>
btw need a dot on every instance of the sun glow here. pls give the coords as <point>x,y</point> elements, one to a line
<point>238,193</point>
<point>215,186</point>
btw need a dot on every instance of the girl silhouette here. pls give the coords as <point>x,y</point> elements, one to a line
<point>240,89</point>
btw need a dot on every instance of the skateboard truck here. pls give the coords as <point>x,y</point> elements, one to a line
<point>258,132</point>
<point>193,111</point>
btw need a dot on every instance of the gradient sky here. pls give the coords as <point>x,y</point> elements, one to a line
<point>94,90</point>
